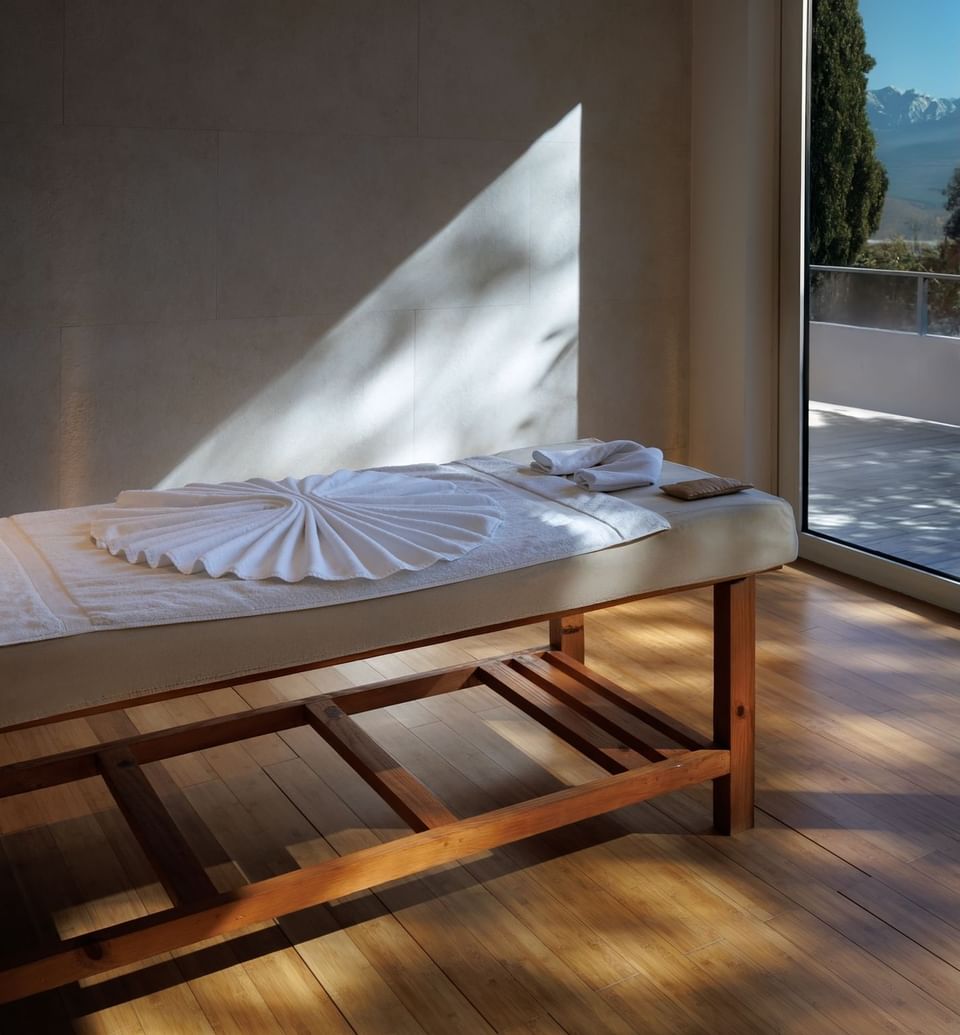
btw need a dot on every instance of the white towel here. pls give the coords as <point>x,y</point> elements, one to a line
<point>347,525</point>
<point>641,466</point>
<point>567,461</point>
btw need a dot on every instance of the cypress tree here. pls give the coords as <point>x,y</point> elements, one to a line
<point>847,182</point>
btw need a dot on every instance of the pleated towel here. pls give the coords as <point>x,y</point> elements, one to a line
<point>346,525</point>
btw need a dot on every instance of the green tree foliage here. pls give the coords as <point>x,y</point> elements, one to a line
<point>951,229</point>
<point>900,254</point>
<point>847,182</point>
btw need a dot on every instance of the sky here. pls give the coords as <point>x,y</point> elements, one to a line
<point>916,44</point>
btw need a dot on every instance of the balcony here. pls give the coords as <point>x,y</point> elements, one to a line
<point>884,417</point>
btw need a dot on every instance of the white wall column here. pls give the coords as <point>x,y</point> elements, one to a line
<point>734,214</point>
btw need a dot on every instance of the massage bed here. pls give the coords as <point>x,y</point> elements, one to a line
<point>80,658</point>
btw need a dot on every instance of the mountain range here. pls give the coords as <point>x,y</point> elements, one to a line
<point>918,140</point>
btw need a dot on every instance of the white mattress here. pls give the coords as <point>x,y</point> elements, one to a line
<point>709,540</point>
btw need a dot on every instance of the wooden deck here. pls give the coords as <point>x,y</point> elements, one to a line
<point>888,483</point>
<point>839,913</point>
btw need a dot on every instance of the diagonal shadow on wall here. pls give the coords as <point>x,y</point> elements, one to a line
<point>466,344</point>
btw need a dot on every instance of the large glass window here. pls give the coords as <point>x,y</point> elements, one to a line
<point>883,356</point>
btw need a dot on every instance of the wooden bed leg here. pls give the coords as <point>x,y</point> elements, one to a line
<point>734,649</point>
<point>566,635</point>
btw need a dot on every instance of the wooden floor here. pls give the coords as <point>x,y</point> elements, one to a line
<point>839,913</point>
<point>889,483</point>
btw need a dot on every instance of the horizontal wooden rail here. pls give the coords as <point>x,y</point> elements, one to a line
<point>389,692</point>
<point>402,791</point>
<point>81,763</point>
<point>138,939</point>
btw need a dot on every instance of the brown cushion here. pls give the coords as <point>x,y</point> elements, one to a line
<point>701,488</point>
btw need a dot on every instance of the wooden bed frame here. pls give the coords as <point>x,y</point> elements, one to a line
<point>645,752</point>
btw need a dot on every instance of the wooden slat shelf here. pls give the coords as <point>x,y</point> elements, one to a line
<point>552,713</point>
<point>590,705</point>
<point>671,728</point>
<point>646,753</point>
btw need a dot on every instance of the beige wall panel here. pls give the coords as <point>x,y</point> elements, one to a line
<point>107,225</point>
<point>29,419</point>
<point>633,371</point>
<point>142,63</point>
<point>310,223</point>
<point>318,66</point>
<point>499,68</point>
<point>635,219</point>
<point>510,70</point>
<point>733,243</point>
<point>31,58</point>
<point>228,399</point>
<point>313,223</point>
<point>634,82</point>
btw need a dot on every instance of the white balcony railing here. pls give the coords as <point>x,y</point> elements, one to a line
<point>895,300</point>
<point>891,346</point>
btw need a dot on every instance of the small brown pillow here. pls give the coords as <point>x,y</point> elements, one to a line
<point>701,488</point>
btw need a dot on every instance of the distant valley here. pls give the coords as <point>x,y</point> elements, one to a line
<point>918,140</point>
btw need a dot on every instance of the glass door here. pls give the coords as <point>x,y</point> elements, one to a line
<point>881,387</point>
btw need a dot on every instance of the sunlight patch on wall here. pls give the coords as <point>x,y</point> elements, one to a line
<point>469,346</point>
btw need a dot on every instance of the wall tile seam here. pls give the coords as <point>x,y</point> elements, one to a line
<point>225,318</point>
<point>216,237</point>
<point>63,70</point>
<point>527,139</point>
<point>65,126</point>
<point>413,390</point>
<point>419,71</point>
<point>350,311</point>
<point>61,424</point>
<point>631,298</point>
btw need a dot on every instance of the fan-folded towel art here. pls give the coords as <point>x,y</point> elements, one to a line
<point>346,525</point>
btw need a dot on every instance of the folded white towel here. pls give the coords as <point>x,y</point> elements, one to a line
<point>347,525</point>
<point>641,466</point>
<point>567,461</point>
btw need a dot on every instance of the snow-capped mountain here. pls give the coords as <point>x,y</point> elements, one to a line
<point>918,140</point>
<point>890,108</point>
